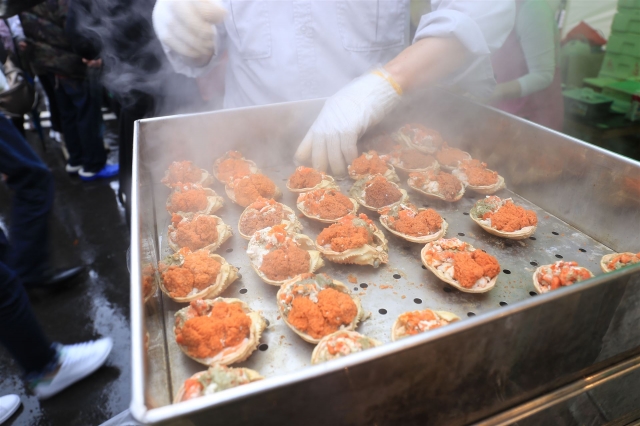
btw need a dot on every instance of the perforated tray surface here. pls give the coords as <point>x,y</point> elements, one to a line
<point>386,292</point>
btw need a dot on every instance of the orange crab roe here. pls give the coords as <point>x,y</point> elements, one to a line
<point>234,167</point>
<point>477,173</point>
<point>423,223</point>
<point>470,267</point>
<point>188,199</point>
<point>285,262</point>
<point>196,233</point>
<point>510,218</point>
<point>206,336</point>
<point>449,186</point>
<point>327,204</point>
<point>369,166</point>
<point>182,172</point>
<point>412,321</point>
<point>379,192</point>
<point>198,271</point>
<point>250,188</point>
<point>333,309</point>
<point>344,235</point>
<point>623,259</point>
<point>414,159</point>
<point>261,214</point>
<point>562,274</point>
<point>305,177</point>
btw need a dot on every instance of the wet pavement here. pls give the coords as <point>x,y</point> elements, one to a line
<point>88,227</point>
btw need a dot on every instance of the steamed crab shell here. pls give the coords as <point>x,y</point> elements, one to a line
<point>320,352</point>
<point>451,281</point>
<point>397,327</point>
<point>357,192</point>
<point>452,168</point>
<point>541,289</point>
<point>434,195</point>
<point>607,258</point>
<point>224,233</point>
<point>384,220</point>
<point>321,282</point>
<point>253,168</point>
<point>430,143</point>
<point>205,180</point>
<point>250,375</point>
<point>255,252</point>
<point>149,271</point>
<point>520,234</point>
<point>390,173</point>
<point>214,202</point>
<point>484,189</point>
<point>228,189</point>
<point>225,277</point>
<point>291,222</point>
<point>368,254</point>
<point>300,205</point>
<point>237,353</point>
<point>435,166</point>
<point>326,182</point>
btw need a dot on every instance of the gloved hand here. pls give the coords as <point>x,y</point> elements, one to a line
<point>332,138</point>
<point>187,26</point>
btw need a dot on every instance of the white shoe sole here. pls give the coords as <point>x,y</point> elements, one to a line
<point>60,386</point>
<point>14,401</point>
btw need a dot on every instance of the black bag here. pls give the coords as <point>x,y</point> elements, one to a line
<point>8,8</point>
<point>20,96</point>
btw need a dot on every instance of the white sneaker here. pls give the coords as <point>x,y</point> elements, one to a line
<point>8,405</point>
<point>76,362</point>
<point>72,169</point>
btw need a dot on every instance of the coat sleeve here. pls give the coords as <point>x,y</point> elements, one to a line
<point>481,26</point>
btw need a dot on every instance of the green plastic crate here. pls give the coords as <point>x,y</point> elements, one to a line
<point>624,43</point>
<point>628,4</point>
<point>627,21</point>
<point>619,66</point>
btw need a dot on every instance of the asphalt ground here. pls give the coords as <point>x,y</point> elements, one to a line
<point>87,227</point>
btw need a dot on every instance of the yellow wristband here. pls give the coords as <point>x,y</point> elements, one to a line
<point>392,82</point>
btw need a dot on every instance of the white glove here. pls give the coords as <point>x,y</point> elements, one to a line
<point>332,138</point>
<point>187,26</point>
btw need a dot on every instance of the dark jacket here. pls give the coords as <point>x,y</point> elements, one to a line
<point>50,48</point>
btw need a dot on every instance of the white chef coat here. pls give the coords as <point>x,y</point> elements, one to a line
<point>282,51</point>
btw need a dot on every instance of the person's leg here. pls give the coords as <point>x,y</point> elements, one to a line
<point>32,184</point>
<point>89,105</point>
<point>48,82</point>
<point>20,332</point>
<point>66,91</point>
<point>18,123</point>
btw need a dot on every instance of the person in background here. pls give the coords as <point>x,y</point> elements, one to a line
<point>79,99</point>
<point>286,51</point>
<point>527,67</point>
<point>49,367</point>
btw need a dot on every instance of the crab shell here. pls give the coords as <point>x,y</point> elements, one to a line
<point>224,233</point>
<point>485,189</point>
<point>384,220</point>
<point>225,277</point>
<point>395,328</point>
<point>390,174</point>
<point>205,180</point>
<point>154,285</point>
<point>435,195</point>
<point>300,206</point>
<point>214,203</point>
<point>368,254</point>
<point>326,182</point>
<point>536,283</point>
<point>291,226</point>
<point>316,355</point>
<point>232,195</point>
<point>608,258</point>
<point>520,234</point>
<point>452,168</point>
<point>305,243</point>
<point>239,352</point>
<point>339,287</point>
<point>253,168</point>
<point>435,167</point>
<point>454,283</point>
<point>406,141</point>
<point>357,192</point>
<point>251,374</point>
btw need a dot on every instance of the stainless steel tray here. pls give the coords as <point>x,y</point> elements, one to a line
<point>267,135</point>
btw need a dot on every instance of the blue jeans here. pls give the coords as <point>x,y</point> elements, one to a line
<point>80,103</point>
<point>32,185</point>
